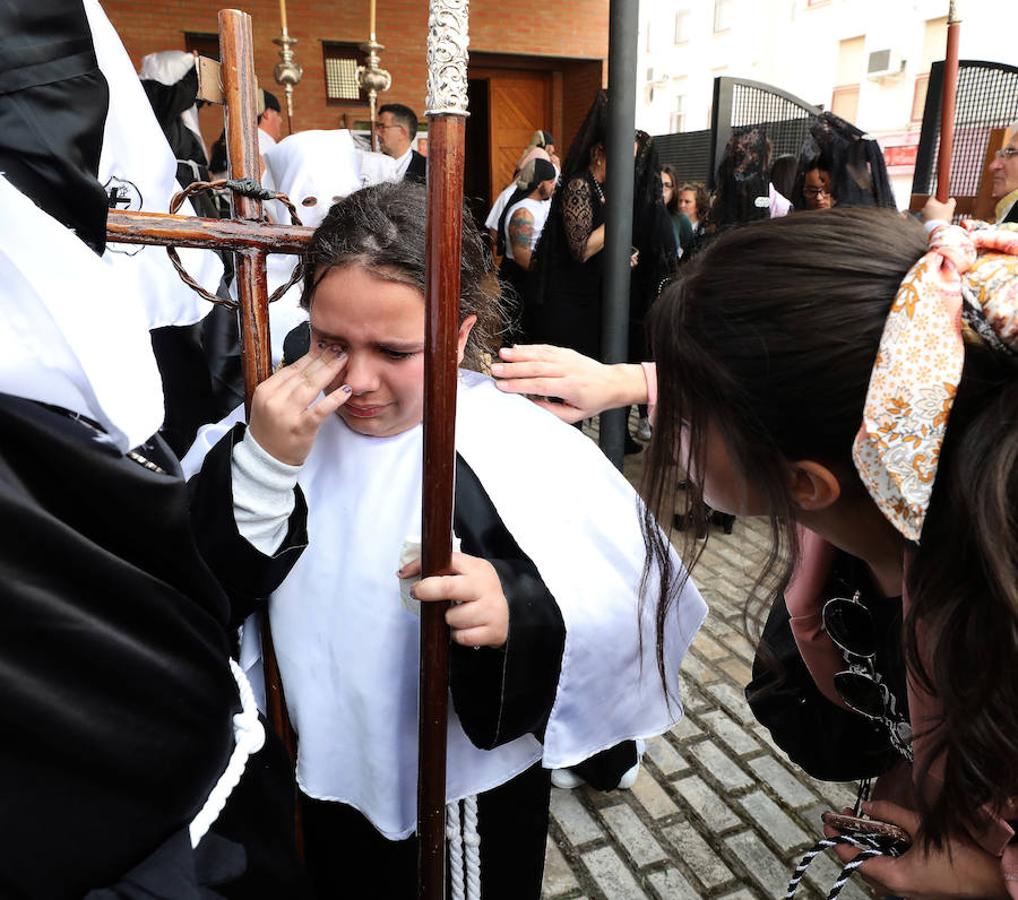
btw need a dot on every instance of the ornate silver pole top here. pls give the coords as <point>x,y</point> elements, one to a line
<point>448,40</point>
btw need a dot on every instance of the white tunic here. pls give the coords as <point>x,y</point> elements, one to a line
<point>348,649</point>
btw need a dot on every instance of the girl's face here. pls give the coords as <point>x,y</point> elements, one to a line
<point>724,487</point>
<point>380,325</point>
<point>667,188</point>
<point>817,190</point>
<point>687,204</point>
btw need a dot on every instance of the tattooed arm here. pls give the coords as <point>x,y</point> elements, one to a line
<point>521,236</point>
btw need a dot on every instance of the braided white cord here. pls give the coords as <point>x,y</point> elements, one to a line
<point>454,837</point>
<point>248,737</point>
<point>866,845</point>
<point>472,840</point>
<point>846,872</point>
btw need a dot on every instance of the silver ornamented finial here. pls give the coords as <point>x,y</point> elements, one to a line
<point>288,72</point>
<point>448,40</point>
<point>373,79</point>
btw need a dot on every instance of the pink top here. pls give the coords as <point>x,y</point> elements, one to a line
<point>650,373</point>
<point>804,598</point>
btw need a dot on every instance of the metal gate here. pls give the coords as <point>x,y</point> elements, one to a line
<point>740,104</point>
<point>986,103</point>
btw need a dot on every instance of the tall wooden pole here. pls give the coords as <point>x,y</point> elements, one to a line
<point>447,111</point>
<point>238,75</point>
<point>950,90</point>
<point>237,50</point>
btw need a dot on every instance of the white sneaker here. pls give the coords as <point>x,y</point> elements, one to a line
<point>567,779</point>
<point>643,429</point>
<point>627,781</point>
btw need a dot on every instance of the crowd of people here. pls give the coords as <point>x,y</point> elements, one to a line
<point>800,351</point>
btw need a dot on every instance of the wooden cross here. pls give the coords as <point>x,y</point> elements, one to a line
<point>251,239</point>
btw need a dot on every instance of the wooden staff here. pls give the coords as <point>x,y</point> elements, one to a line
<point>950,89</point>
<point>238,76</point>
<point>248,237</point>
<point>447,111</point>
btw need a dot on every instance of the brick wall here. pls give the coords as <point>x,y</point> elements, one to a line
<point>578,30</point>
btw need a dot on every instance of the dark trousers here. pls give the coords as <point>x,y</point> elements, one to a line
<point>348,858</point>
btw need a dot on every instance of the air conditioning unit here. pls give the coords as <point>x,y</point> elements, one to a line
<point>884,64</point>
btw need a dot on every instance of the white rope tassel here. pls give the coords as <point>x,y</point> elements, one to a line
<point>248,737</point>
<point>454,839</point>
<point>472,841</point>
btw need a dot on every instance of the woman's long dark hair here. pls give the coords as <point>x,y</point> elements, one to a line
<point>380,229</point>
<point>672,205</point>
<point>768,341</point>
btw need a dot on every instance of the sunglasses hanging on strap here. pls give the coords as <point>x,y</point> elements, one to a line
<point>849,624</point>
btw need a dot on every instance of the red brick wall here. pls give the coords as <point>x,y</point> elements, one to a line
<point>578,29</point>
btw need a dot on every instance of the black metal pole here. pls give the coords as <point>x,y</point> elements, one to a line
<point>622,41</point>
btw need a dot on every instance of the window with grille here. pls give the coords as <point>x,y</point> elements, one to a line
<point>341,62</point>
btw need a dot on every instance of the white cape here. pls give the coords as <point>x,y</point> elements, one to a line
<point>70,334</point>
<point>348,649</point>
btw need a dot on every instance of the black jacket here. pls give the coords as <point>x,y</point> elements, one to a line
<point>418,168</point>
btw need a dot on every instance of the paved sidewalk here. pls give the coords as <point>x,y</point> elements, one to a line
<point>718,811</point>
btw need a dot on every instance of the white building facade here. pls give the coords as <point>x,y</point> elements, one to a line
<point>866,60</point>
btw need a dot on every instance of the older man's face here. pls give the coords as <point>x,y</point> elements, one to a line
<point>1004,169</point>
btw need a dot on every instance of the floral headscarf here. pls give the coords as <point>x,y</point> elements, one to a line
<point>969,275</point>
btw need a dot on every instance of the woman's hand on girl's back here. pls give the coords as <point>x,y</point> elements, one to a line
<point>958,869</point>
<point>284,417</point>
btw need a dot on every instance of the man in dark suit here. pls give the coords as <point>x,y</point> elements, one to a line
<point>396,127</point>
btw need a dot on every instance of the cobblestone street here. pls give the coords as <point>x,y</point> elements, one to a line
<point>717,810</point>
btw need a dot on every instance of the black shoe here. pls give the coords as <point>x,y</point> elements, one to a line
<point>687,522</point>
<point>724,520</point>
<point>631,446</point>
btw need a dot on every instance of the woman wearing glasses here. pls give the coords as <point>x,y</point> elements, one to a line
<point>856,383</point>
<point>817,192</point>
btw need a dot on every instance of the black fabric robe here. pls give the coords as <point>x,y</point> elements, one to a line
<point>499,695</point>
<point>117,696</point>
<point>53,102</point>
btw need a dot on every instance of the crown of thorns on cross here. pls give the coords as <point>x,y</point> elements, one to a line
<point>247,187</point>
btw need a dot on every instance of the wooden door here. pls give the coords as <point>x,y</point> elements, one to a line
<point>520,103</point>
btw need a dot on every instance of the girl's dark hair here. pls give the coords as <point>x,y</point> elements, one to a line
<point>768,339</point>
<point>702,197</point>
<point>672,205</point>
<point>381,228</point>
<point>783,173</point>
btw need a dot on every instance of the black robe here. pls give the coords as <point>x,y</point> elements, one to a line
<point>53,101</point>
<point>117,696</point>
<point>499,695</point>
